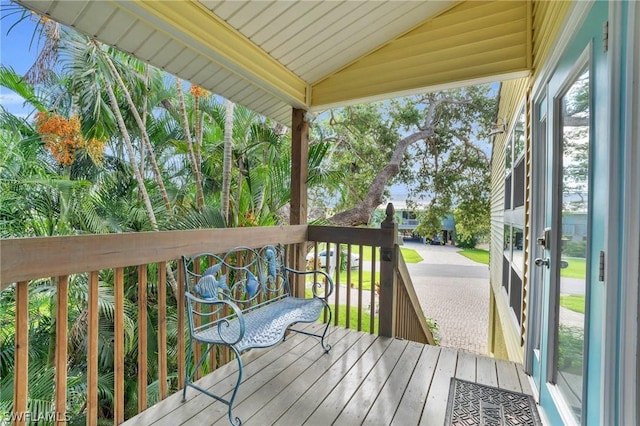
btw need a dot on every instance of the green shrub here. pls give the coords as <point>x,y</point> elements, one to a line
<point>574,249</point>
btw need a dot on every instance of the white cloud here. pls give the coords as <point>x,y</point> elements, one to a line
<point>10,99</point>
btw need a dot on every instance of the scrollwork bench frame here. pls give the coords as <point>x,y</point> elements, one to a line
<point>242,299</point>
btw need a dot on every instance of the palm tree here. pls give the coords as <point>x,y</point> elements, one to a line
<point>226,168</point>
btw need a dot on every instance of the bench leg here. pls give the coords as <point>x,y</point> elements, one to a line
<point>235,420</point>
<point>188,377</point>
<point>325,345</point>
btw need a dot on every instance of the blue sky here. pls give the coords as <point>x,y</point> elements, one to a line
<point>15,52</point>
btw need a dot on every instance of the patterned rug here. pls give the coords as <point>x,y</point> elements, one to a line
<point>473,404</point>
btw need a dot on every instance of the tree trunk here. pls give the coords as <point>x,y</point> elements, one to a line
<point>195,165</point>
<point>132,155</point>
<point>226,168</point>
<point>141,126</point>
<point>361,214</point>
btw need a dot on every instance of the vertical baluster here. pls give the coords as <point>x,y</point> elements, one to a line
<point>360,288</point>
<point>348,310</point>
<point>62,314</point>
<point>181,325</point>
<point>162,329</point>
<point>197,347</point>
<point>92,361</point>
<point>212,355</point>
<point>142,338</point>
<point>373,290</point>
<point>21,356</point>
<point>118,331</point>
<point>336,312</point>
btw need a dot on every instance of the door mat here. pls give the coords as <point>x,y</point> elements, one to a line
<point>473,404</point>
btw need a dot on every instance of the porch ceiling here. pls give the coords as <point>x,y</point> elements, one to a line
<point>273,55</point>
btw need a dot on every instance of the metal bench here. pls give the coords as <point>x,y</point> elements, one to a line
<point>242,299</point>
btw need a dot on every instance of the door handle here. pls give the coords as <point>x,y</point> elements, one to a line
<point>542,261</point>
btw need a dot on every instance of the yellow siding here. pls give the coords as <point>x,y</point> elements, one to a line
<point>512,94</point>
<point>547,18</point>
<point>470,41</point>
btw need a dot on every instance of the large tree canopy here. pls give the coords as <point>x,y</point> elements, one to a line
<point>431,143</point>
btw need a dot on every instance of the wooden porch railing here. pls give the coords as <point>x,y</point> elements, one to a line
<point>144,266</point>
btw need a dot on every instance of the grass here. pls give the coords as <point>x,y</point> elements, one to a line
<point>477,255</point>
<point>576,268</point>
<point>353,317</point>
<point>573,302</point>
<point>410,255</point>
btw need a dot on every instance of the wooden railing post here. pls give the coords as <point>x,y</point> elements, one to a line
<point>299,175</point>
<point>21,357</point>
<point>388,264</point>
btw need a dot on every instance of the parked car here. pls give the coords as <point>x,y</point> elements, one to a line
<point>322,258</point>
<point>436,241</point>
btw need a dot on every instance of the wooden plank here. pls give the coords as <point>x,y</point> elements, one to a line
<point>270,412</point>
<point>181,325</point>
<point>389,253</point>
<point>466,368</point>
<point>415,395</point>
<point>21,356</point>
<point>62,318</point>
<point>525,381</point>
<point>299,167</point>
<point>350,235</point>
<point>413,303</point>
<point>142,338</point>
<point>92,355</point>
<point>486,371</point>
<point>347,319</point>
<point>173,404</point>
<point>224,380</point>
<point>252,389</point>
<point>162,330</point>
<point>436,404</point>
<point>372,291</point>
<point>283,381</point>
<point>363,399</point>
<point>508,376</point>
<point>360,279</point>
<point>118,337</point>
<point>348,384</point>
<point>389,398</point>
<point>25,259</point>
<point>362,354</point>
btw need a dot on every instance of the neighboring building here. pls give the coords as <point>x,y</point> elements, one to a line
<point>408,217</point>
<point>566,213</point>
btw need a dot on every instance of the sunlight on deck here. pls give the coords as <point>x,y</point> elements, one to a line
<point>364,379</point>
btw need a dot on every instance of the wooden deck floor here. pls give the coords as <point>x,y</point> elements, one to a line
<point>365,379</point>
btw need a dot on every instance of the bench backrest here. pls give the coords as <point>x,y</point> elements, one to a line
<point>248,277</point>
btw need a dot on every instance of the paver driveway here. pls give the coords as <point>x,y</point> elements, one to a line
<point>454,291</point>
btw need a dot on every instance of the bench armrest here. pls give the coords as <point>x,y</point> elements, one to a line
<point>221,322</point>
<point>316,285</point>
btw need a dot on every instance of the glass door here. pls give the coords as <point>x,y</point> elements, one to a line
<point>566,358</point>
<point>572,204</point>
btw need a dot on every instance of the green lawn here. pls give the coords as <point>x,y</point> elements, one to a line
<point>353,317</point>
<point>576,268</point>
<point>573,302</point>
<point>477,255</point>
<point>409,255</point>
